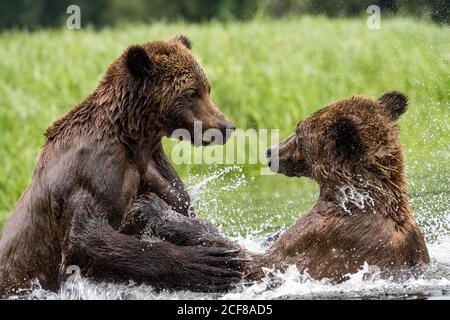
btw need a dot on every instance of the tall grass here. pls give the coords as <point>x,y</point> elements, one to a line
<point>264,74</point>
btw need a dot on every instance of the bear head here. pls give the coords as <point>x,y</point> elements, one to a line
<point>351,139</point>
<point>161,87</point>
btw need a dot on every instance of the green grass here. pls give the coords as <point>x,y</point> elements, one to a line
<point>264,74</point>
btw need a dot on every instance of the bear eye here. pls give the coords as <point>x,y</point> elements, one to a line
<point>192,94</point>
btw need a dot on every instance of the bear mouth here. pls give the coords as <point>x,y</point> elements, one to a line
<point>198,142</point>
<point>207,142</point>
<point>195,142</point>
<point>286,168</point>
<point>275,169</point>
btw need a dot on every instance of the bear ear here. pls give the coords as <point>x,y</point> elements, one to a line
<point>346,140</point>
<point>138,61</point>
<point>184,40</point>
<point>395,102</point>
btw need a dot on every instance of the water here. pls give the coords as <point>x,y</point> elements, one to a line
<point>248,208</point>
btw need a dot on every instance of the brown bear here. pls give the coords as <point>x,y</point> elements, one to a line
<point>97,160</point>
<point>352,150</point>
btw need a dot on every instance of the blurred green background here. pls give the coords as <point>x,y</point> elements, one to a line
<point>270,64</point>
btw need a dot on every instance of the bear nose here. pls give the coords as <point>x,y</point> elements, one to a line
<point>227,128</point>
<point>268,153</point>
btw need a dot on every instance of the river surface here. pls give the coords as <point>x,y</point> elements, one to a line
<point>248,208</point>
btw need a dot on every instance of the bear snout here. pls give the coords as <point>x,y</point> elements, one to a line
<point>218,134</point>
<point>273,160</point>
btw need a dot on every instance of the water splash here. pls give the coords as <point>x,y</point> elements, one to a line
<point>350,195</point>
<point>201,184</point>
<point>432,213</point>
<point>432,280</point>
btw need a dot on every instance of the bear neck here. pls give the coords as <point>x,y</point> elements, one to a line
<point>367,193</point>
<point>107,116</point>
